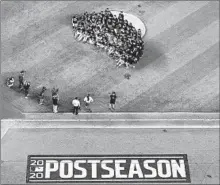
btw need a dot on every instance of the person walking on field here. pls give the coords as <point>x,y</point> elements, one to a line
<point>88,99</point>
<point>26,86</point>
<point>76,106</point>
<point>10,82</point>
<point>21,79</point>
<point>55,99</point>
<point>112,101</point>
<point>41,96</point>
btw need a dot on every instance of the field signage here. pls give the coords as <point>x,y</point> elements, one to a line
<point>108,169</point>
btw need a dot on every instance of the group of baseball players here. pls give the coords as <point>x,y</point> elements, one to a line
<point>24,85</point>
<point>115,35</point>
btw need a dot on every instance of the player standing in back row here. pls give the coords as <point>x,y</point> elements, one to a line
<point>112,101</point>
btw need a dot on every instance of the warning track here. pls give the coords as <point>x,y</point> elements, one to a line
<point>200,145</point>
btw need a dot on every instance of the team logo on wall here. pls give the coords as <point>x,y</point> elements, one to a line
<point>108,169</point>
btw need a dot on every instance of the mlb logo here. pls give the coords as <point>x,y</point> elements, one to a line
<point>36,169</point>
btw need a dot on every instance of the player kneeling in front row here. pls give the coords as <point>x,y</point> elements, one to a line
<point>121,61</point>
<point>111,50</point>
<point>81,35</point>
<point>77,33</point>
<point>88,99</point>
<point>85,36</point>
<point>92,40</point>
<point>10,82</point>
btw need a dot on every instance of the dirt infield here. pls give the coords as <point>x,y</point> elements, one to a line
<point>178,72</point>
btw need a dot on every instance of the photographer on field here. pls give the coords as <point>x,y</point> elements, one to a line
<point>21,79</point>
<point>76,105</point>
<point>88,99</point>
<point>41,96</point>
<point>112,101</point>
<point>55,99</point>
<point>10,82</point>
<point>26,87</point>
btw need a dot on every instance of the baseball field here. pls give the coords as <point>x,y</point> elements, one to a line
<point>178,72</point>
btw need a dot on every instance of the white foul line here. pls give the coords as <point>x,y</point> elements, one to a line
<point>111,157</point>
<point>110,180</point>
<point>108,120</point>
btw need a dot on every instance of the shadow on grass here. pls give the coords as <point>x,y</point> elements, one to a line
<point>152,51</point>
<point>66,20</point>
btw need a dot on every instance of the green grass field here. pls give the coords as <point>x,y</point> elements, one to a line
<point>178,72</point>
